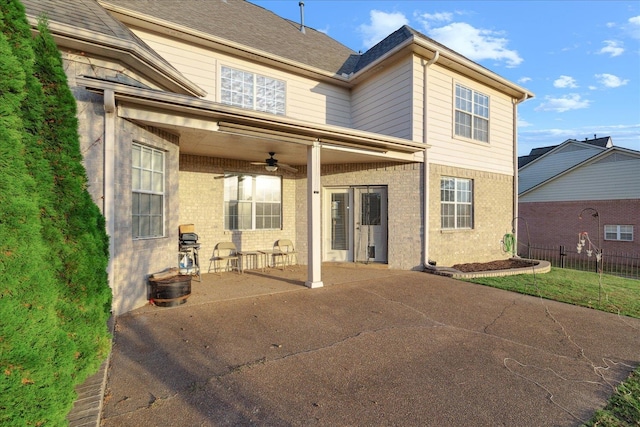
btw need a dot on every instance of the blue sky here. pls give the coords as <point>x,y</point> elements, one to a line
<point>580,58</point>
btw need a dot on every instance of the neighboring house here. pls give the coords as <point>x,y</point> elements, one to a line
<point>559,184</point>
<point>405,154</point>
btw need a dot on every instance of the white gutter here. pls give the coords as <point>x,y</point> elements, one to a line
<point>516,102</point>
<point>425,165</point>
<point>109,174</point>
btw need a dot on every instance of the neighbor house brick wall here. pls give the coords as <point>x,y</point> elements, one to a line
<point>557,223</point>
<point>492,217</point>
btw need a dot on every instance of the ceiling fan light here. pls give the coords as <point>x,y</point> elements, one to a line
<point>271,168</point>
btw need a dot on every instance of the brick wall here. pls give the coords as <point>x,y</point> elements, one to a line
<point>202,203</point>
<point>404,192</point>
<point>493,213</point>
<point>557,223</point>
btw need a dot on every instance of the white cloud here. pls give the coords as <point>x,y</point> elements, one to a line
<point>523,123</point>
<point>382,24</point>
<point>475,43</point>
<point>564,103</point>
<point>612,48</point>
<point>634,27</point>
<point>524,80</point>
<point>565,81</point>
<point>609,80</point>
<point>437,17</point>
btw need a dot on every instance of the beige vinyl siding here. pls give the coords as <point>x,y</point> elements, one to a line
<point>447,149</point>
<point>191,60</point>
<point>602,180</point>
<point>307,99</point>
<point>383,103</point>
<point>552,164</point>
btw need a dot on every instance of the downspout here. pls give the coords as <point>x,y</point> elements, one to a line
<point>515,167</point>
<point>425,165</point>
<point>108,206</point>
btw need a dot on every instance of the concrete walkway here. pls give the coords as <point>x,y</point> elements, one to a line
<point>373,347</point>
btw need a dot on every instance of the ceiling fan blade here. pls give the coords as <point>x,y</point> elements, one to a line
<point>259,163</point>
<point>287,167</point>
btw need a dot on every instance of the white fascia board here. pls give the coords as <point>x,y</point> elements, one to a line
<point>200,38</point>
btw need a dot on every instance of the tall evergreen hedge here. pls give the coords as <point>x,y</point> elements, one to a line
<point>54,294</point>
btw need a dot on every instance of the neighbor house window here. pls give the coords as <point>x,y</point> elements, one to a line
<point>253,91</point>
<point>472,114</point>
<point>456,197</point>
<point>252,202</point>
<point>618,232</point>
<point>147,170</point>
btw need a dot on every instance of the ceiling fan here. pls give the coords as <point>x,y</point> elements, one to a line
<point>271,164</point>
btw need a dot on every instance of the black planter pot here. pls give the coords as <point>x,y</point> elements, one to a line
<point>170,291</point>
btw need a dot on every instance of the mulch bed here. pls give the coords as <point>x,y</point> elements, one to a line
<point>504,264</point>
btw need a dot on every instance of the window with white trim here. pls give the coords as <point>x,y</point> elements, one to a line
<point>618,232</point>
<point>147,186</point>
<point>456,203</point>
<point>471,114</point>
<point>252,91</point>
<point>252,202</point>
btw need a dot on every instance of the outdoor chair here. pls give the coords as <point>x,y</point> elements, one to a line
<point>284,252</point>
<point>224,251</point>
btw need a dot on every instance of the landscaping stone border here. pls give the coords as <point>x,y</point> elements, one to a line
<point>540,268</point>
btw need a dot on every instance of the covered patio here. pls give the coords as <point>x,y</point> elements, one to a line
<point>237,139</point>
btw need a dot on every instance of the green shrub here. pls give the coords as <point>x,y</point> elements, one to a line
<point>54,295</point>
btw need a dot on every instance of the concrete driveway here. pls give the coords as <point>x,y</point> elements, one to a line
<point>373,347</point>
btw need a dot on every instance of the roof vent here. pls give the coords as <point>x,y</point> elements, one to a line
<point>301,4</point>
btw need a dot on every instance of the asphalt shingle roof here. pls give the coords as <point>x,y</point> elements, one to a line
<point>88,15</point>
<point>245,23</point>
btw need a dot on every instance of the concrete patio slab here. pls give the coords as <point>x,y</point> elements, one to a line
<point>373,347</point>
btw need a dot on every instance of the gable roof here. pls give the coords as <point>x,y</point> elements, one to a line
<point>245,23</point>
<point>88,27</point>
<point>240,25</point>
<point>603,142</point>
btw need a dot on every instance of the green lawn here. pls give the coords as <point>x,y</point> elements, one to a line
<point>616,295</point>
<point>607,293</point>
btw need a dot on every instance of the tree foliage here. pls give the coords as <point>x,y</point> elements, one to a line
<point>54,296</point>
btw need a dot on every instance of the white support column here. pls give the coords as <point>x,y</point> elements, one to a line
<point>314,212</point>
<point>108,208</point>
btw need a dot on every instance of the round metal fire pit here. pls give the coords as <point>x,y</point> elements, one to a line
<point>170,291</point>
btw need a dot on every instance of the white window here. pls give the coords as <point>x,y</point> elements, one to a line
<point>147,170</point>
<point>252,202</point>
<point>456,198</point>
<point>618,232</point>
<point>471,114</point>
<point>247,90</point>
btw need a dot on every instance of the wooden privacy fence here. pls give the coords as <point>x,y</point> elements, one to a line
<point>615,263</point>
